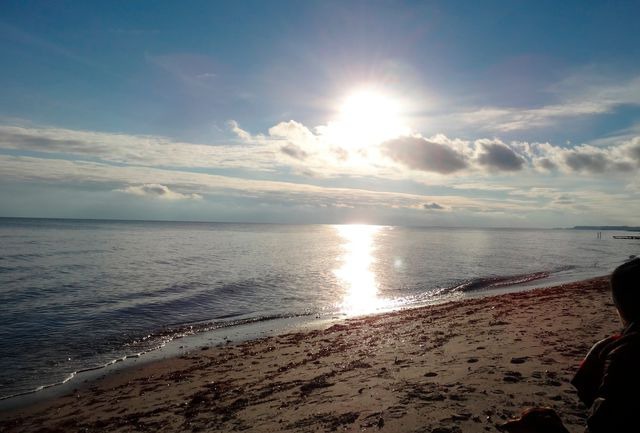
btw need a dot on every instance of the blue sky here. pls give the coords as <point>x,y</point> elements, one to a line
<point>493,113</point>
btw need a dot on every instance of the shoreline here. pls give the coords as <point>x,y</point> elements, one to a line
<point>253,327</point>
<point>444,365</point>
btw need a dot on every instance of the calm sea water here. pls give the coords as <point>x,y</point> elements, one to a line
<point>79,294</point>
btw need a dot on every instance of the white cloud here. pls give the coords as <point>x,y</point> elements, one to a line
<point>299,149</point>
<point>513,119</point>
<point>156,190</point>
<point>137,149</point>
<point>241,133</point>
<point>580,95</point>
<point>145,181</point>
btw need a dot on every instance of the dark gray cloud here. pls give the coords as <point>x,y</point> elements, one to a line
<point>499,156</point>
<point>294,151</point>
<point>634,151</point>
<point>591,162</point>
<point>36,143</point>
<point>432,206</point>
<point>623,166</point>
<point>421,154</point>
<point>547,164</point>
<point>155,189</point>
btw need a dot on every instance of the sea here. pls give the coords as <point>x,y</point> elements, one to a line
<point>82,295</point>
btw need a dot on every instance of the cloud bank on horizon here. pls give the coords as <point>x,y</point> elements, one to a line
<point>352,113</point>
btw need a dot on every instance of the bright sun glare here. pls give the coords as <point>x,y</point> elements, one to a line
<point>367,117</point>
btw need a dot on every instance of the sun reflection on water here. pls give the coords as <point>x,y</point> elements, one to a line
<point>356,275</point>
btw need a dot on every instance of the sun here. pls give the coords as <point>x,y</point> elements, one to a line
<point>367,116</point>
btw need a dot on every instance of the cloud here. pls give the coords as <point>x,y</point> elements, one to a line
<point>292,147</point>
<point>564,199</point>
<point>292,131</point>
<point>581,95</point>
<point>610,202</point>
<point>157,190</point>
<point>151,181</point>
<point>582,161</point>
<point>421,154</point>
<point>241,133</point>
<point>294,151</point>
<point>617,159</point>
<point>498,156</point>
<point>633,149</point>
<point>140,149</point>
<point>546,164</point>
<point>432,206</point>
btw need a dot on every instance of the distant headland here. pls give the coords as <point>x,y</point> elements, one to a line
<point>627,228</point>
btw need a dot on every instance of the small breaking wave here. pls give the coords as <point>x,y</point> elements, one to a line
<point>498,281</point>
<point>183,330</point>
<point>159,339</point>
<point>71,375</point>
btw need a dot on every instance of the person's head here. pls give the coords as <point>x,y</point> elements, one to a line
<point>625,289</point>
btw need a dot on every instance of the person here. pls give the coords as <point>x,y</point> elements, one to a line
<point>608,380</point>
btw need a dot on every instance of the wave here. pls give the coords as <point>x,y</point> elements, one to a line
<point>183,330</point>
<point>72,375</point>
<point>491,282</point>
<point>158,340</point>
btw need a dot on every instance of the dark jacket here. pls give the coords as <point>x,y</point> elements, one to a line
<point>608,382</point>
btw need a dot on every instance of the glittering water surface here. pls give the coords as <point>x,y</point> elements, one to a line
<point>77,294</point>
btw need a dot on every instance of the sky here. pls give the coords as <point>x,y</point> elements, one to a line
<point>430,113</point>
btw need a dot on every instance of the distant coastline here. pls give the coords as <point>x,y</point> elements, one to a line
<point>164,221</point>
<point>601,228</point>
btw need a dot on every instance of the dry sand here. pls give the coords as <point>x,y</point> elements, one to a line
<point>457,367</point>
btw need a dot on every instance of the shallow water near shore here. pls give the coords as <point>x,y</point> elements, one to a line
<point>81,294</point>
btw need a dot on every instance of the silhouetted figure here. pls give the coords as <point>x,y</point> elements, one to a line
<point>608,380</point>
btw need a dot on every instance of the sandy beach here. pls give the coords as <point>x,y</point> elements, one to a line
<point>456,367</point>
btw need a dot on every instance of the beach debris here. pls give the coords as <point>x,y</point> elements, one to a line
<point>461,416</point>
<point>424,392</point>
<point>316,383</point>
<point>454,429</point>
<point>372,420</point>
<point>329,420</point>
<point>356,363</point>
<point>498,323</point>
<point>512,377</point>
<point>430,374</point>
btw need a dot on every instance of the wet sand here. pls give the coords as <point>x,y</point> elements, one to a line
<point>457,367</point>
